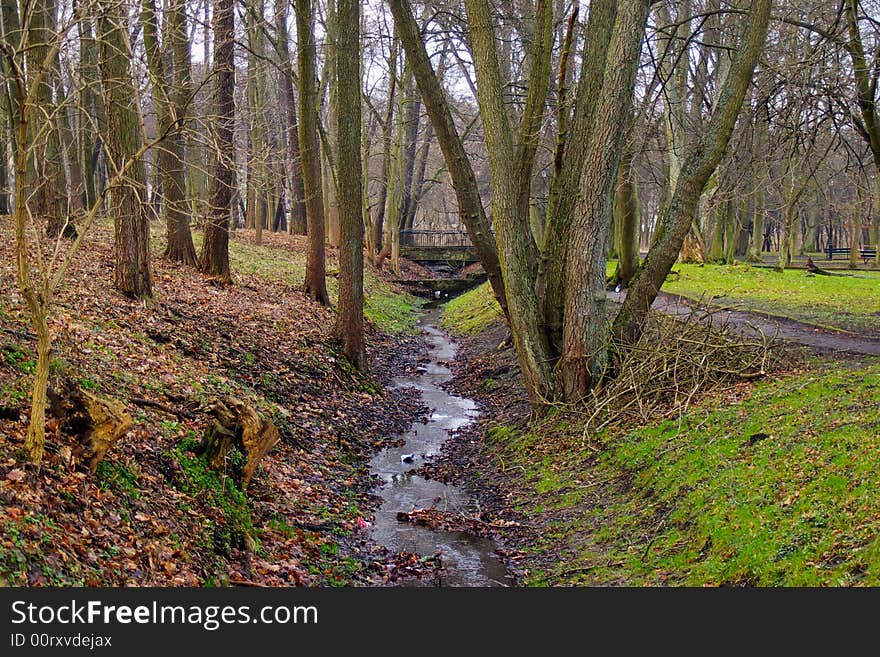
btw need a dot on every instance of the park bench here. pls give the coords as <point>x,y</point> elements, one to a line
<point>866,253</point>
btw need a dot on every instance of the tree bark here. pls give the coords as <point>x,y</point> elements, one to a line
<point>585,326</point>
<point>315,285</point>
<point>170,103</point>
<point>564,185</point>
<point>513,236</point>
<point>215,251</point>
<point>133,276</point>
<point>350,319</point>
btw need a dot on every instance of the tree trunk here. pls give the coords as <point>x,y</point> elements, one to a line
<point>626,208</point>
<point>133,276</point>
<point>513,237</point>
<point>585,327</point>
<point>46,172</point>
<point>570,155</point>
<point>677,217</point>
<point>170,108</point>
<point>315,285</point>
<point>297,223</point>
<point>215,252</point>
<point>350,320</point>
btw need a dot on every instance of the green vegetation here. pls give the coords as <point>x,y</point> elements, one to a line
<point>232,525</point>
<point>390,310</point>
<point>14,355</point>
<point>850,302</point>
<point>779,487</point>
<point>116,476</point>
<point>471,312</point>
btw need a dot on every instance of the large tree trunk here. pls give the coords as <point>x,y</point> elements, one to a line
<point>585,326</point>
<point>133,276</point>
<point>464,181</point>
<point>315,284</point>
<point>350,320</point>
<point>677,216</point>
<point>570,156</point>
<point>516,246</point>
<point>170,107</point>
<point>215,253</point>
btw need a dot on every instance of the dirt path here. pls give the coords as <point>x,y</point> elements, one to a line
<point>820,340</point>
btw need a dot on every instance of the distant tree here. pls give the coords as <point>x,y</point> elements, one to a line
<point>315,284</point>
<point>215,252</point>
<point>171,95</point>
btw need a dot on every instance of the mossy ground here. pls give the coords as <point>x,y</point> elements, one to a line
<point>775,482</point>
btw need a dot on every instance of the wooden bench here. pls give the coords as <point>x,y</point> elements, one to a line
<point>866,253</point>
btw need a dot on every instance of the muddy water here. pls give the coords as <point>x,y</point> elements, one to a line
<point>468,561</point>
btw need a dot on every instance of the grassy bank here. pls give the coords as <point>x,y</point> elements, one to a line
<point>775,485</point>
<point>775,482</point>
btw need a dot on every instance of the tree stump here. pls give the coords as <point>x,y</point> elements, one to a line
<point>237,425</point>
<point>96,422</point>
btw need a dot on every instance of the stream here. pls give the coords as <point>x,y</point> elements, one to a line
<point>467,560</point>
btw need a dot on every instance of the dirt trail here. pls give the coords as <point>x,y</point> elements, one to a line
<point>820,340</point>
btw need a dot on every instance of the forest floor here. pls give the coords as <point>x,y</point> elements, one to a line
<point>771,481</point>
<point>152,513</point>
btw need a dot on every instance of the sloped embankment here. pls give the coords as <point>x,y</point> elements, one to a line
<point>767,482</point>
<point>152,514</point>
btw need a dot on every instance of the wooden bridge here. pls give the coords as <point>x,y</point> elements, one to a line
<point>437,246</point>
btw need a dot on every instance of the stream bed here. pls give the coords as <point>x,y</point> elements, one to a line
<point>467,560</point>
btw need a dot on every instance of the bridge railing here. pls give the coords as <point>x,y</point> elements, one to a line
<point>434,238</point>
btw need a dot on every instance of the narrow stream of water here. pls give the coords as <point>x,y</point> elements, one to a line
<point>468,561</point>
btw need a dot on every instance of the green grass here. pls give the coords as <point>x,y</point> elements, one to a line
<point>471,312</point>
<point>779,488</point>
<point>845,302</point>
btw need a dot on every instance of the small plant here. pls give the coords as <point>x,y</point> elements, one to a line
<point>13,355</point>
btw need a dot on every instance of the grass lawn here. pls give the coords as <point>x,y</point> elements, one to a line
<point>850,302</point>
<point>777,485</point>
